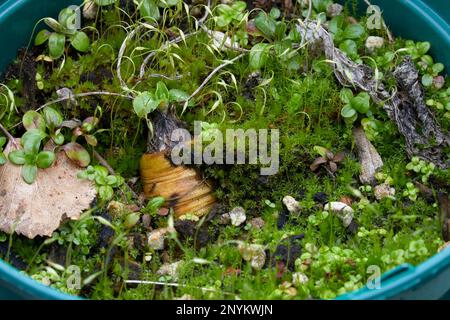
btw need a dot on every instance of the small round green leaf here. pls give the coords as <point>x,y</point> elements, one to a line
<point>52,117</point>
<point>31,140</point>
<point>347,111</point>
<point>149,10</point>
<point>353,31</point>
<point>346,95</point>
<point>91,140</point>
<point>106,193</point>
<point>17,157</point>
<point>33,120</point>
<point>56,44</point>
<point>259,55</point>
<point>77,153</point>
<point>45,159</point>
<point>80,41</point>
<point>29,173</point>
<point>427,80</point>
<point>178,95</point>
<point>41,37</point>
<point>144,103</point>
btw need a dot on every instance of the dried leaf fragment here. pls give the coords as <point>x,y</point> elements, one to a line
<point>38,209</point>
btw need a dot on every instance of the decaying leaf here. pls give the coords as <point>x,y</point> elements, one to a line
<point>38,209</point>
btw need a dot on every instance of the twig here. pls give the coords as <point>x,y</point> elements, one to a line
<point>79,95</point>
<point>7,134</point>
<point>105,163</point>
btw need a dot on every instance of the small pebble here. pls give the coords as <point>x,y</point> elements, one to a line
<point>383,190</point>
<point>237,216</point>
<point>156,238</point>
<point>257,223</point>
<point>254,253</point>
<point>373,43</point>
<point>169,269</point>
<point>343,211</point>
<point>334,10</point>
<point>291,204</point>
<point>224,219</point>
<point>299,278</point>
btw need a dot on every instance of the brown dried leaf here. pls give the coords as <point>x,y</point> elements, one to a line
<point>339,157</point>
<point>316,164</point>
<point>333,166</point>
<point>38,209</point>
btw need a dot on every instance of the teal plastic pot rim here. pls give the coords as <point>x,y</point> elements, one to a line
<point>394,282</point>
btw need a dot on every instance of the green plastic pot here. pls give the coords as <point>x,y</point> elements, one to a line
<point>412,19</point>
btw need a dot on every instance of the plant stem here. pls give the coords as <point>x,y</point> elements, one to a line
<point>7,134</point>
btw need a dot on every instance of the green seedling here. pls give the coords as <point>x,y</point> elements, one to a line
<point>411,191</point>
<point>104,182</point>
<point>230,14</point>
<point>65,28</point>
<point>147,102</point>
<point>354,105</point>
<point>422,167</point>
<point>346,36</point>
<point>30,157</point>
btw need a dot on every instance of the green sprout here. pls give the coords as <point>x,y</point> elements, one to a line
<point>103,181</point>
<point>346,37</point>
<point>354,105</point>
<point>411,191</point>
<point>30,157</point>
<point>147,102</point>
<point>63,29</point>
<point>228,14</point>
<point>421,167</point>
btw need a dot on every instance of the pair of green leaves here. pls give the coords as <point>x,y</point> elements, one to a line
<point>50,119</point>
<point>103,180</point>
<point>354,105</point>
<point>64,28</point>
<point>147,102</point>
<point>230,13</point>
<point>30,157</point>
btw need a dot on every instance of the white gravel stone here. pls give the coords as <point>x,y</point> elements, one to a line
<point>237,216</point>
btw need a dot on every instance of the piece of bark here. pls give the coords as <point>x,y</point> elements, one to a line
<point>38,209</point>
<point>369,158</point>
<point>405,106</point>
